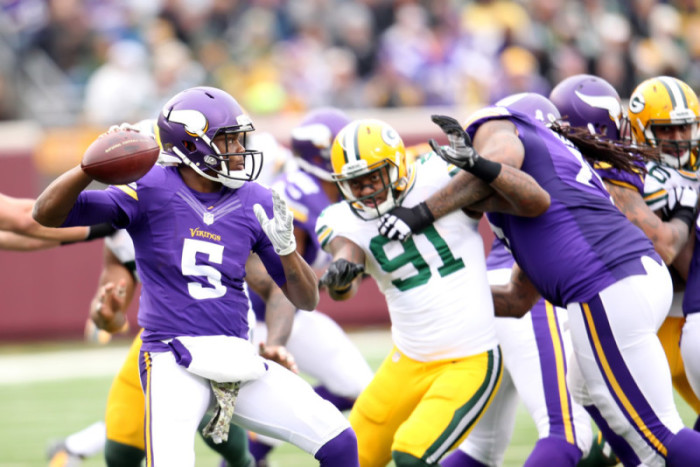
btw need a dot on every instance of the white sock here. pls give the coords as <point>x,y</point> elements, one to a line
<point>89,441</point>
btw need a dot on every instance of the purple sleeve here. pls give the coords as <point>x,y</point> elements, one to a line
<point>273,264</point>
<point>619,177</point>
<point>96,207</point>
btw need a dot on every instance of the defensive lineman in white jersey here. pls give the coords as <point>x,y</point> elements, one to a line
<point>445,366</point>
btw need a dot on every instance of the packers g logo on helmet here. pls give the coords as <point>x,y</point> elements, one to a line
<point>364,147</point>
<point>665,101</point>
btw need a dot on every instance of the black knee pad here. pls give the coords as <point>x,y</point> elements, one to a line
<point>122,455</point>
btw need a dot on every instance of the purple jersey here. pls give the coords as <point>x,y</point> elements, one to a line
<point>583,243</point>
<point>691,298</point>
<point>499,257</point>
<point>191,250</point>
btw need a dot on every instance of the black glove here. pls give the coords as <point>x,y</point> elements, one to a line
<point>400,223</point>
<point>460,152</point>
<point>681,204</point>
<point>340,275</point>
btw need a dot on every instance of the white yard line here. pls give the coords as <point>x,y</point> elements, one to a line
<point>98,362</point>
<point>61,364</point>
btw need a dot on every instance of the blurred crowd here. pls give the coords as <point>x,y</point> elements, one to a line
<point>107,61</point>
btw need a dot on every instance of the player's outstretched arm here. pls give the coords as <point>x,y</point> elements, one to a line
<point>16,242</point>
<point>490,180</point>
<point>55,202</point>
<point>342,278</point>
<point>16,217</point>
<point>279,314</point>
<point>115,291</point>
<point>499,185</point>
<point>515,298</point>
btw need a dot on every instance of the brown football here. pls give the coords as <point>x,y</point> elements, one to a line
<point>120,157</point>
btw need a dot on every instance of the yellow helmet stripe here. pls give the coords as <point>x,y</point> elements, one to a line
<point>675,92</point>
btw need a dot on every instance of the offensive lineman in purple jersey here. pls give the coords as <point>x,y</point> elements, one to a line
<point>592,103</point>
<point>582,254</point>
<point>321,349</point>
<point>194,227</point>
<point>535,358</point>
<point>589,102</point>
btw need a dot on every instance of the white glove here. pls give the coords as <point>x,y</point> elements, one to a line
<point>682,196</point>
<point>279,229</point>
<point>681,204</point>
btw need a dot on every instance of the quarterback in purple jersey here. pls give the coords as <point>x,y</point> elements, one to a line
<point>535,355</point>
<point>194,226</point>
<point>582,254</point>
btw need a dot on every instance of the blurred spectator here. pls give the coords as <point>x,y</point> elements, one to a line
<point>291,55</point>
<point>121,89</point>
<point>518,72</point>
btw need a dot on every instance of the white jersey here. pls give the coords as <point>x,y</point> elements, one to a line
<point>121,245</point>
<point>661,179</point>
<point>435,283</point>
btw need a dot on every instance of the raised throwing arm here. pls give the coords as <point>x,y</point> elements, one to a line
<point>55,202</point>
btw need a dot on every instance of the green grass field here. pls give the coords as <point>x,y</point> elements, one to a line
<point>57,404</point>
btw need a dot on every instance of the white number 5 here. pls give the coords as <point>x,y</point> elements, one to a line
<point>191,268</point>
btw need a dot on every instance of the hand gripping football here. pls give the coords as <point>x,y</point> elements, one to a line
<point>120,157</point>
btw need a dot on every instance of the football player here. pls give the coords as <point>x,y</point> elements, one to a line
<point>125,404</point>
<point>446,365</point>
<point>321,349</point>
<point>535,358</point>
<point>194,226</point>
<point>664,113</point>
<point>582,254</point>
<point>591,103</point>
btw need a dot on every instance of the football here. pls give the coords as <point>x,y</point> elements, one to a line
<point>120,157</point>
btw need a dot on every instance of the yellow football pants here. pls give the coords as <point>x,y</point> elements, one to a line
<point>670,336</point>
<point>125,402</point>
<point>423,409</point>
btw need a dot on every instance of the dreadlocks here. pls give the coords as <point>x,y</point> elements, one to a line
<point>620,155</point>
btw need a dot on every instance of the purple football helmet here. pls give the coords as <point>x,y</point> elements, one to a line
<point>531,104</point>
<point>587,101</point>
<point>191,120</point>
<point>313,138</point>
